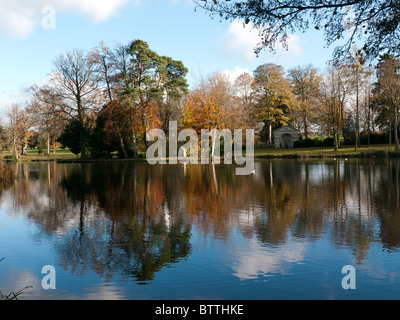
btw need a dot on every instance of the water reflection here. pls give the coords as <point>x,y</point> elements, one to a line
<point>133,220</point>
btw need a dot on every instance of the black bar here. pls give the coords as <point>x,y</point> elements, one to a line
<point>180,309</point>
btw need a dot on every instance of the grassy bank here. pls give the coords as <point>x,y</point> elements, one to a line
<point>61,154</point>
<point>328,152</point>
<point>376,151</point>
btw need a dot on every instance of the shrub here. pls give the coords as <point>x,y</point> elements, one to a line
<point>328,142</point>
<point>308,142</point>
<point>375,138</point>
<point>70,138</point>
<point>316,142</point>
<point>304,143</point>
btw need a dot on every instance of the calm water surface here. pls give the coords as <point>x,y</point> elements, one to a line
<point>134,231</point>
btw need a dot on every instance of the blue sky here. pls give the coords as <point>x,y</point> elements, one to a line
<point>171,27</point>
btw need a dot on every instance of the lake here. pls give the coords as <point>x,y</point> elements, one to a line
<point>128,230</point>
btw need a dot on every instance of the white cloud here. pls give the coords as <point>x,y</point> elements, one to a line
<point>235,73</point>
<point>242,41</point>
<point>98,10</point>
<point>294,47</point>
<point>18,18</point>
<point>9,97</point>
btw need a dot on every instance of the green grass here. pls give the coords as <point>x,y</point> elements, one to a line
<point>60,154</point>
<point>259,152</point>
<point>321,152</point>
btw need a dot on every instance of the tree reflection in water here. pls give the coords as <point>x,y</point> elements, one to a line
<point>131,219</point>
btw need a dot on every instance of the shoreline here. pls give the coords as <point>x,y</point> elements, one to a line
<point>356,155</point>
<point>261,153</point>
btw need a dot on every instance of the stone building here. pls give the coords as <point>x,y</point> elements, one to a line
<point>285,137</point>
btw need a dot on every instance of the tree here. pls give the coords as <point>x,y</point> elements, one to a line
<point>121,107</point>
<point>273,96</point>
<point>388,86</point>
<point>103,57</point>
<point>102,141</point>
<point>338,88</point>
<point>384,115</point>
<point>373,22</point>
<point>213,104</point>
<point>42,109</point>
<point>75,80</point>
<point>305,82</point>
<point>244,93</point>
<point>145,78</point>
<point>25,123</point>
<point>358,73</point>
<point>17,129</point>
<point>331,101</point>
<point>368,108</point>
<point>3,137</point>
<point>107,67</point>
<point>143,86</point>
<point>175,88</point>
<point>70,139</point>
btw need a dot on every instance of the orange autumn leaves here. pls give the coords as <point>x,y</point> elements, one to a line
<point>213,104</point>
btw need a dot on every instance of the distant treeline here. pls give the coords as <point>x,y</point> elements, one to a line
<point>101,103</point>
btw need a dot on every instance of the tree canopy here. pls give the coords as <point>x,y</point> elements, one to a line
<point>375,23</point>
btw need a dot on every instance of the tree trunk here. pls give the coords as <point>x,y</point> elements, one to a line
<point>305,122</point>
<point>214,138</point>
<point>82,138</point>
<point>357,118</point>
<point>357,142</point>
<point>390,132</point>
<point>145,141</point>
<point>81,119</point>
<point>15,149</point>
<point>24,151</point>
<point>135,153</point>
<point>48,144</point>
<point>369,124</point>
<point>341,118</point>
<point>121,141</point>
<point>396,124</point>
<point>336,142</point>
<point>270,132</point>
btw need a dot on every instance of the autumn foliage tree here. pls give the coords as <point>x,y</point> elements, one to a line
<point>243,86</point>
<point>215,103</point>
<point>145,88</point>
<point>305,82</point>
<point>274,96</point>
<point>207,106</point>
